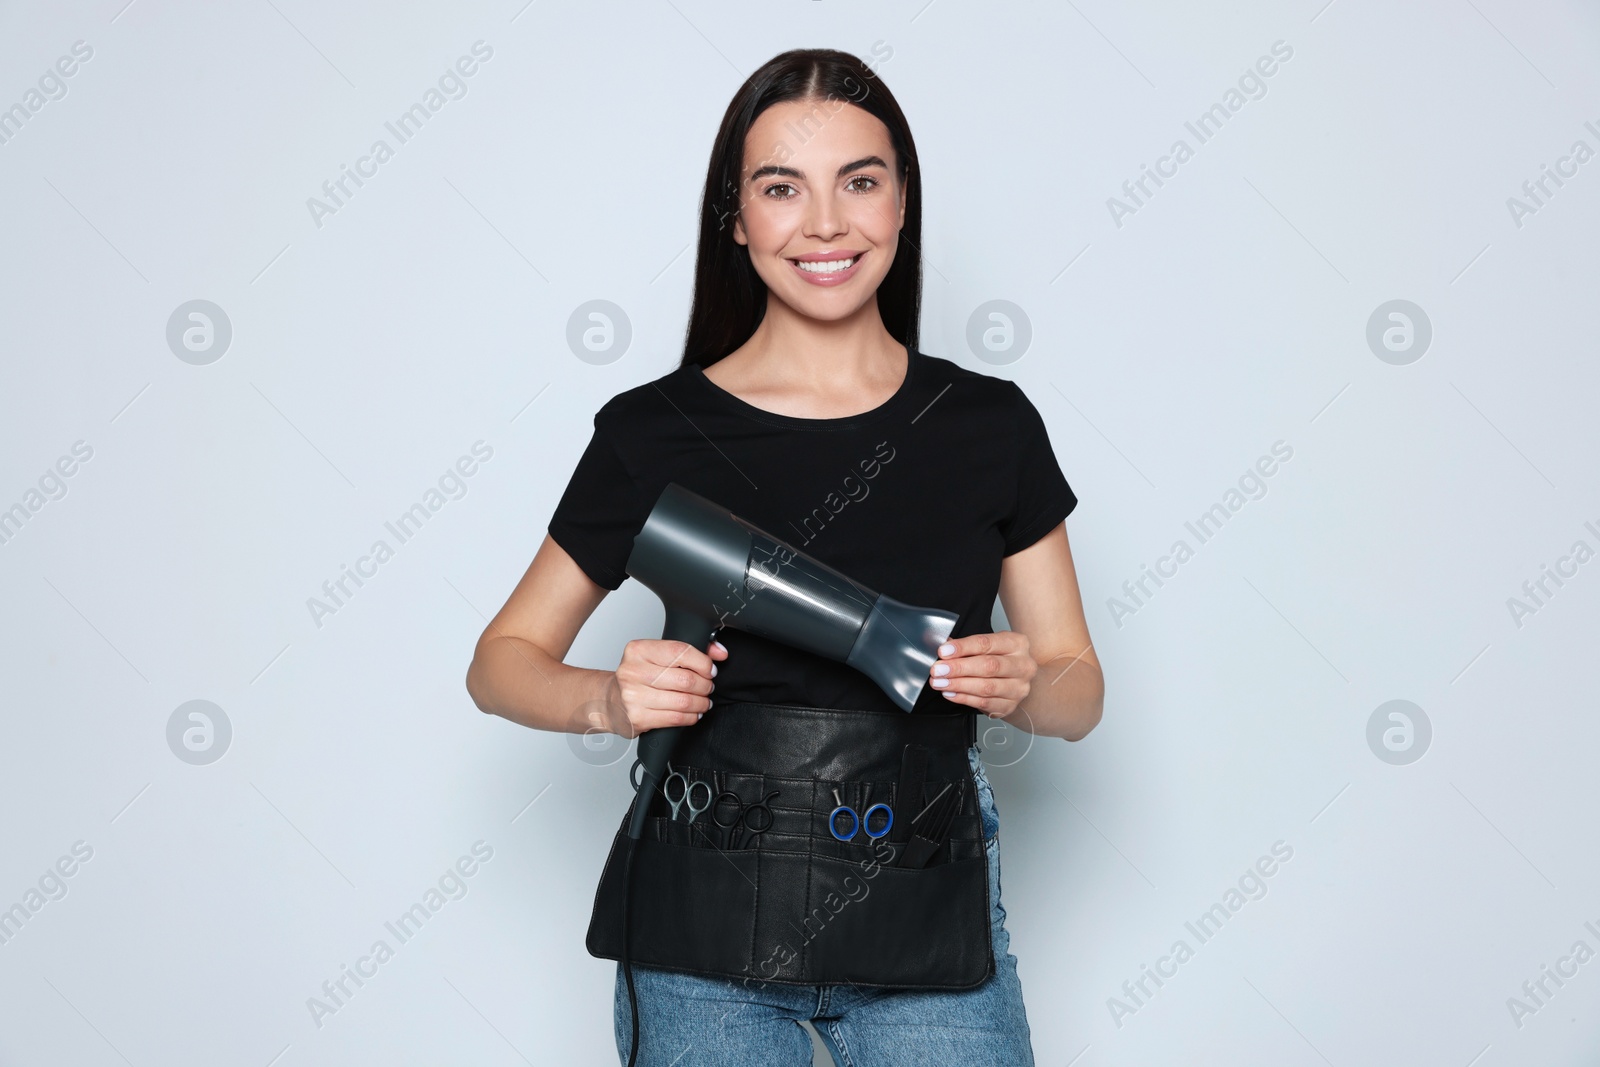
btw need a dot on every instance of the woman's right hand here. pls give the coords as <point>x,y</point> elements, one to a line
<point>661,683</point>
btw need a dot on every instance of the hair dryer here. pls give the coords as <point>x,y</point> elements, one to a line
<point>712,569</point>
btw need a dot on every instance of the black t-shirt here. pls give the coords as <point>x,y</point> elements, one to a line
<point>918,499</point>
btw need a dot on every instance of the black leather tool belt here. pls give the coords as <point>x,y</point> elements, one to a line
<point>757,888</point>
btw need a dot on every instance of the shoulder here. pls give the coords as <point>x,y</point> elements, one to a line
<point>986,392</point>
<point>635,409</point>
<point>950,371</point>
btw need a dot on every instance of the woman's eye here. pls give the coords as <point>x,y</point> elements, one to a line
<point>780,185</point>
<point>871,183</point>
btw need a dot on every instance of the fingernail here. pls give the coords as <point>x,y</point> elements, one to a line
<point>713,670</point>
<point>720,645</point>
<point>946,649</point>
<point>941,668</point>
<point>700,716</point>
<point>940,683</point>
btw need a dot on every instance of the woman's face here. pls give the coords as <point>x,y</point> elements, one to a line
<point>819,187</point>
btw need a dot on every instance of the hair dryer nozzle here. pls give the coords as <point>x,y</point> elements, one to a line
<point>897,646</point>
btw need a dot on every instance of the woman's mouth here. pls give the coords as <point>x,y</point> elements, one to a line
<point>832,270</point>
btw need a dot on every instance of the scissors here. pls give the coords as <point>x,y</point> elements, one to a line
<point>731,838</point>
<point>686,798</point>
<point>857,822</point>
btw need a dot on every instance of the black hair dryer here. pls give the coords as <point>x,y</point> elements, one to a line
<point>712,569</point>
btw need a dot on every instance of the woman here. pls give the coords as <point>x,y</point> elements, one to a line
<point>803,406</point>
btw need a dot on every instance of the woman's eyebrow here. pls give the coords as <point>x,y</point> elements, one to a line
<point>790,172</point>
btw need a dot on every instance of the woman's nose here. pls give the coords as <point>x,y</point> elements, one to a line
<point>824,221</point>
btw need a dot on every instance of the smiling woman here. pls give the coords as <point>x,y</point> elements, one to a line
<point>800,368</point>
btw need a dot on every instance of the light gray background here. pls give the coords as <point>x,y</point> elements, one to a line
<point>1167,354</point>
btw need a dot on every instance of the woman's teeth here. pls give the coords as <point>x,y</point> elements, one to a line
<point>827,266</point>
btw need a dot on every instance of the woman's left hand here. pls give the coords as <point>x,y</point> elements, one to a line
<point>990,672</point>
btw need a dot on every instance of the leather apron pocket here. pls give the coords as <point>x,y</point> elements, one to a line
<point>757,888</point>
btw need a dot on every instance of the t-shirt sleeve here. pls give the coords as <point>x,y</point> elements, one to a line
<point>600,512</point>
<point>1043,497</point>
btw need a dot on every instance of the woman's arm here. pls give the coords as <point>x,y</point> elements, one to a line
<point>516,670</point>
<point>1039,591</point>
<point>1042,675</point>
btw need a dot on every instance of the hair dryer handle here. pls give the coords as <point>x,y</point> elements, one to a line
<point>655,746</point>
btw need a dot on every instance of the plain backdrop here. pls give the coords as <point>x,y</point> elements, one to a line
<point>233,456</point>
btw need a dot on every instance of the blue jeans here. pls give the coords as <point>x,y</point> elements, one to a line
<point>689,1020</point>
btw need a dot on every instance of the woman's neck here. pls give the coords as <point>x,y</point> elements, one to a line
<point>799,357</point>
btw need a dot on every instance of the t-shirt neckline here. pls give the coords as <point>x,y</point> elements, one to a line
<point>729,400</point>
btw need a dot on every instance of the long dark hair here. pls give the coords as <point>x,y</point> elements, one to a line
<point>729,296</point>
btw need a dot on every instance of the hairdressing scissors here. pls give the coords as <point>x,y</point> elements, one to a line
<point>857,822</point>
<point>731,837</point>
<point>686,798</point>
